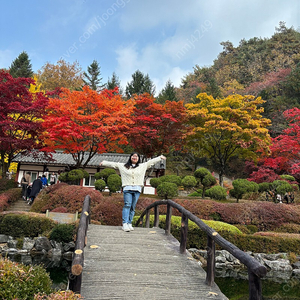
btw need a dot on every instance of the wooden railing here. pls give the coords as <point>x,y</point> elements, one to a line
<point>255,270</point>
<point>75,275</point>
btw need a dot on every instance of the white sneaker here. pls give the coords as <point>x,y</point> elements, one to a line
<point>125,227</point>
<point>130,227</point>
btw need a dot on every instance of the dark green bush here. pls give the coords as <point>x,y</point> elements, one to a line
<point>20,225</point>
<point>217,192</point>
<point>255,243</point>
<point>63,177</point>
<point>63,233</point>
<point>105,173</point>
<point>195,194</point>
<point>189,181</point>
<point>206,179</point>
<point>282,186</point>
<point>288,228</point>
<point>18,281</point>
<point>167,190</point>
<point>6,184</point>
<point>242,187</point>
<point>264,186</point>
<point>114,183</point>
<point>155,182</point>
<point>100,185</point>
<point>171,178</point>
<point>73,176</point>
<point>287,177</point>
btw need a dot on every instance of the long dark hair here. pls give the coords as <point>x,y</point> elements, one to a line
<point>129,163</point>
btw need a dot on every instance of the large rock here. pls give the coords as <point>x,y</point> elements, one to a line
<point>3,238</point>
<point>42,243</point>
<point>28,243</point>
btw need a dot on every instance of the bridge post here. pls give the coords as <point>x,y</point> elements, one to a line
<point>183,233</point>
<point>156,216</point>
<point>168,219</point>
<point>147,224</point>
<point>210,273</point>
<point>255,290</point>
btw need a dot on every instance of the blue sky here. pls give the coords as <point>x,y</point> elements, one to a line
<point>162,38</point>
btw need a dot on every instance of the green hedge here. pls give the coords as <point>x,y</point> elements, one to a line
<point>20,225</point>
<point>246,242</point>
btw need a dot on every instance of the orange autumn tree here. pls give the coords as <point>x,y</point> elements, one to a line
<point>157,128</point>
<point>87,122</point>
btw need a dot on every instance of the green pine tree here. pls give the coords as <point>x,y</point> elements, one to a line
<point>140,84</point>
<point>113,82</point>
<point>21,66</point>
<point>167,93</point>
<point>92,77</point>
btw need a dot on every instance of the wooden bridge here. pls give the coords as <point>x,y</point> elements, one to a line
<point>142,264</point>
<point>149,263</point>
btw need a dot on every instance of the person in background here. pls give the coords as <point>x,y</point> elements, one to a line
<point>132,176</point>
<point>37,185</point>
<point>25,181</point>
<point>52,178</point>
<point>46,173</point>
<point>44,181</point>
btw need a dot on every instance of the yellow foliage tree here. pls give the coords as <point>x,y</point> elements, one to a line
<point>227,127</point>
<point>62,74</point>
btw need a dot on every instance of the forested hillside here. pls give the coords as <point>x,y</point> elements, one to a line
<point>266,67</point>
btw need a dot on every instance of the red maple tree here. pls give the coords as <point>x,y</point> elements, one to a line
<point>21,114</point>
<point>86,122</point>
<point>285,149</point>
<point>156,127</point>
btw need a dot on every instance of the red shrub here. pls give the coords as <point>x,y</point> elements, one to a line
<point>63,195</point>
<point>109,210</point>
<point>60,209</point>
<point>3,202</point>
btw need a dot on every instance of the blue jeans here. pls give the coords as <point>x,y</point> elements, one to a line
<point>130,201</point>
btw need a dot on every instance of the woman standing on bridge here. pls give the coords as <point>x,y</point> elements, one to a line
<point>132,175</point>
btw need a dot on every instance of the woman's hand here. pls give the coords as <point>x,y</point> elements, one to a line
<point>162,157</point>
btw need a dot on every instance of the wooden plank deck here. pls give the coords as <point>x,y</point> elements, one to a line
<point>142,264</point>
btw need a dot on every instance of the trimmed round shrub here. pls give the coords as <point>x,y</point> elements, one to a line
<point>201,173</point>
<point>217,192</point>
<point>206,179</point>
<point>155,182</point>
<point>167,190</point>
<point>114,183</point>
<point>100,185</point>
<point>18,281</point>
<point>264,186</point>
<point>63,233</point>
<point>63,177</point>
<point>241,187</point>
<point>105,173</point>
<point>287,177</point>
<point>189,181</point>
<point>75,175</point>
<point>171,178</point>
<point>282,186</point>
